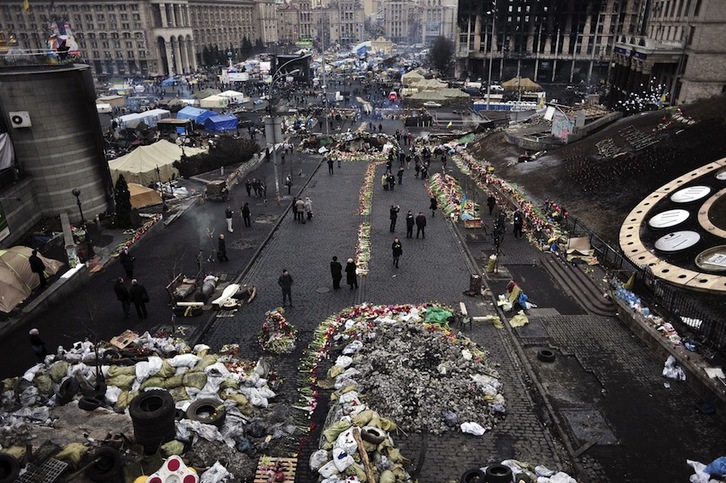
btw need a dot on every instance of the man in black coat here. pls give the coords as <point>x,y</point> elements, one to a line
<point>122,294</point>
<point>37,266</point>
<point>336,271</point>
<point>139,297</point>
<point>421,225</point>
<point>410,220</point>
<point>394,216</point>
<point>285,283</point>
<point>222,249</point>
<point>246,215</point>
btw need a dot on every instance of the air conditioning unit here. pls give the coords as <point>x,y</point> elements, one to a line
<point>20,119</point>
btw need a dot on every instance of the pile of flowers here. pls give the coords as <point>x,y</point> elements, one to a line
<point>135,235</point>
<point>277,335</point>
<point>363,248</point>
<point>366,191</point>
<point>449,195</point>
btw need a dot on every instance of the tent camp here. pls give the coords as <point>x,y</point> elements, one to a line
<point>410,78</point>
<point>223,122</point>
<point>521,83</point>
<point>140,165</point>
<point>141,196</point>
<point>17,280</point>
<point>103,108</point>
<point>206,93</point>
<point>150,118</point>
<point>195,114</point>
<point>215,101</point>
<point>430,85</point>
<point>115,101</point>
<point>234,96</point>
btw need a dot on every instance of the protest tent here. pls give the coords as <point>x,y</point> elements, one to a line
<point>223,122</point>
<point>17,280</point>
<point>140,165</point>
<point>234,96</point>
<point>206,93</point>
<point>521,84</point>
<point>150,118</point>
<point>410,78</point>
<point>195,114</point>
<point>141,196</point>
<point>215,101</point>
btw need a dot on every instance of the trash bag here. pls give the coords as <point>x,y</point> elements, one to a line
<point>672,370</point>
<point>472,428</point>
<point>437,315</point>
<point>318,459</point>
<point>716,467</point>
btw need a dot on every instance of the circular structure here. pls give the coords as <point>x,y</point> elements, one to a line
<point>677,241</point>
<point>712,259</point>
<point>641,255</point>
<point>721,175</point>
<point>668,219</point>
<point>690,194</point>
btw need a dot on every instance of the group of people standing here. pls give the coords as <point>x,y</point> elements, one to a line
<point>256,185</point>
<point>351,273</point>
<point>302,209</point>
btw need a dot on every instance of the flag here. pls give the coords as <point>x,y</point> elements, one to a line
<point>450,124</point>
<point>26,6</point>
<point>463,203</point>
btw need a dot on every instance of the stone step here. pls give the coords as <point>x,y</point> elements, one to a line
<point>580,286</point>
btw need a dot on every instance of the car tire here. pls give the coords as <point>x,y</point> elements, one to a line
<point>67,390</point>
<point>372,435</point>
<point>206,410</point>
<point>546,355</point>
<point>89,403</point>
<point>107,467</point>
<point>153,417</point>
<point>498,474</point>
<point>9,468</point>
<point>473,476</point>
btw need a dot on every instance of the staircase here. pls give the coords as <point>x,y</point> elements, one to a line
<point>581,286</point>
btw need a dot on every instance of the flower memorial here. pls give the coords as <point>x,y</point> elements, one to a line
<point>277,335</point>
<point>363,248</point>
<point>366,191</point>
<point>135,235</point>
<point>450,197</point>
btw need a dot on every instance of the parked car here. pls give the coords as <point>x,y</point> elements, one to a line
<point>431,104</point>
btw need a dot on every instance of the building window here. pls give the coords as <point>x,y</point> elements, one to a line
<point>142,54</point>
<point>107,54</point>
<point>130,54</point>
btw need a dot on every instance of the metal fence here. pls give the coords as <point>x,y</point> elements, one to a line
<point>689,312</point>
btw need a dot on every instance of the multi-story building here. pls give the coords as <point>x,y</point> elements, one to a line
<point>546,40</point>
<point>679,52</point>
<point>332,22</point>
<point>150,37</point>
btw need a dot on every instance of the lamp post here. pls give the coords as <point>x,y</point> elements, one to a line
<point>77,193</point>
<point>271,134</point>
<point>491,59</point>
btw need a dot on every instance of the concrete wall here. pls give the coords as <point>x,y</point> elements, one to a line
<point>63,148</point>
<point>19,203</point>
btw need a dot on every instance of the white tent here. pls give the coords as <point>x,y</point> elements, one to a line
<point>17,280</point>
<point>140,165</point>
<point>234,96</point>
<point>103,108</point>
<point>150,118</point>
<point>214,101</point>
<point>141,196</point>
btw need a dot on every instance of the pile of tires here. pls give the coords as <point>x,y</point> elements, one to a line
<point>207,411</point>
<point>9,468</point>
<point>153,416</point>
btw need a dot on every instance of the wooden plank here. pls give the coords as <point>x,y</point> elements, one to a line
<point>462,308</point>
<point>262,476</point>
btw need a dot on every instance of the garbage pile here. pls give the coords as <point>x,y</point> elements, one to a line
<point>441,385</point>
<point>359,146</point>
<point>216,401</point>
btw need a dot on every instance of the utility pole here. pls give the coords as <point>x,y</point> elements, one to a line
<point>325,92</point>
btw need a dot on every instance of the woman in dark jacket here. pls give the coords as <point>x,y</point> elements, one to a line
<point>397,250</point>
<point>433,206</point>
<point>350,274</point>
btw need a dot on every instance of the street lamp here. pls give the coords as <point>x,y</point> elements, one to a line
<point>271,133</point>
<point>77,193</point>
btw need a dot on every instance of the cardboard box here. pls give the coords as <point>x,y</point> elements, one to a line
<point>473,223</point>
<point>125,339</point>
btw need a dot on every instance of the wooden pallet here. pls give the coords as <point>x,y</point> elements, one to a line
<point>269,461</point>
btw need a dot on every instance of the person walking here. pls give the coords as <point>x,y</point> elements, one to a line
<point>394,216</point>
<point>351,276</point>
<point>248,187</point>
<point>228,216</point>
<point>122,294</point>
<point>336,271</point>
<point>308,208</point>
<point>491,203</point>
<point>285,282</point>
<point>433,206</point>
<point>330,166</point>
<point>127,261</point>
<point>421,225</point>
<point>288,183</point>
<point>139,297</point>
<point>37,266</point>
<point>37,345</point>
<point>222,249</point>
<point>300,205</point>
<point>410,221</point>
<point>518,223</point>
<point>384,181</point>
<point>400,175</point>
<point>397,249</point>
<point>246,215</point>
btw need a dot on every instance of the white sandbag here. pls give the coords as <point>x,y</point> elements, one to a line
<point>328,470</point>
<point>341,459</point>
<point>472,428</point>
<point>216,474</point>
<point>318,459</point>
<point>184,360</point>
<point>155,363</point>
<point>353,347</point>
<point>112,394</point>
<point>344,361</point>
<point>346,442</point>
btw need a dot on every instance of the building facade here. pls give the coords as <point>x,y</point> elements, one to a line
<point>679,53</point>
<point>149,37</point>
<point>546,40</point>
